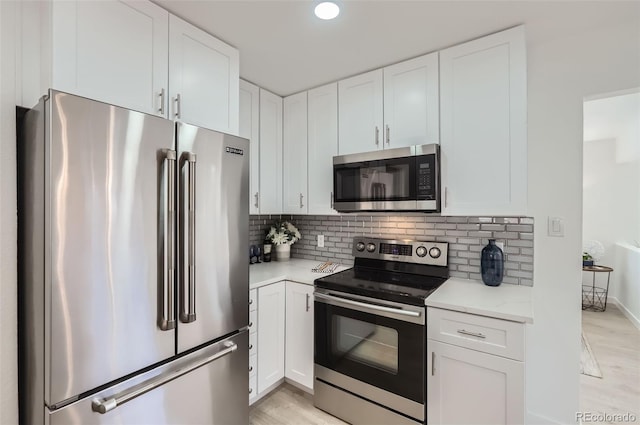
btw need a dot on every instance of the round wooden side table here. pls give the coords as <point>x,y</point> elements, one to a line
<point>595,297</point>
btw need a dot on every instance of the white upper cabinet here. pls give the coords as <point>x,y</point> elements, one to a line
<point>360,122</point>
<point>483,89</point>
<point>249,129</point>
<point>322,147</point>
<point>111,51</point>
<point>295,154</point>
<point>270,153</point>
<point>411,102</point>
<point>204,78</point>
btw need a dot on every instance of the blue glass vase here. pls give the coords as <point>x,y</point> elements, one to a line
<point>492,264</point>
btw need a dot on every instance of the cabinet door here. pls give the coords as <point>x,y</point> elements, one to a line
<point>484,141</point>
<point>249,129</point>
<point>295,154</point>
<point>299,331</point>
<point>470,387</point>
<point>322,146</point>
<point>411,102</point>
<point>270,153</point>
<point>271,331</point>
<point>112,51</point>
<point>204,78</point>
<point>360,113</point>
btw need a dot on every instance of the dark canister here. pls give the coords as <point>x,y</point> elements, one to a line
<point>492,264</point>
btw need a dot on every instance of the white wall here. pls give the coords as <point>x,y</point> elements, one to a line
<point>562,73</point>
<point>611,203</point>
<point>8,310</point>
<point>627,268</point>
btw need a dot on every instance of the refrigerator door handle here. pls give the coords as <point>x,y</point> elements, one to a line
<point>167,318</point>
<point>103,406</point>
<point>188,284</point>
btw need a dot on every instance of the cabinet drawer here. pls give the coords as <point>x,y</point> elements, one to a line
<point>486,334</point>
<point>253,343</point>
<point>253,321</point>
<point>253,299</point>
<point>253,365</point>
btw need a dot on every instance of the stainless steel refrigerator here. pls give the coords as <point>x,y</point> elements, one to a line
<point>133,274</point>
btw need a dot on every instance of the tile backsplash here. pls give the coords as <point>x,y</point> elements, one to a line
<point>466,236</point>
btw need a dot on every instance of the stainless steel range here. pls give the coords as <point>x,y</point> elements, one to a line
<point>370,336</point>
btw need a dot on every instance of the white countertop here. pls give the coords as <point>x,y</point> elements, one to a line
<point>296,269</point>
<point>509,302</point>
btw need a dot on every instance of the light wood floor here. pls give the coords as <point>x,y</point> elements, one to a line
<point>615,343</point>
<point>288,405</point>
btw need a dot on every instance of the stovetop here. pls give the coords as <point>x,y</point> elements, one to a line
<point>394,286</point>
<point>404,271</point>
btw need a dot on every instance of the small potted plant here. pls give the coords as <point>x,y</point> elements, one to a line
<point>283,234</point>
<point>587,260</point>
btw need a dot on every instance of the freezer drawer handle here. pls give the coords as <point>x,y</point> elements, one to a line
<point>167,320</point>
<point>188,284</point>
<point>107,405</point>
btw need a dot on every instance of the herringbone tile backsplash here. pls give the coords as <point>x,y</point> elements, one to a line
<point>466,236</point>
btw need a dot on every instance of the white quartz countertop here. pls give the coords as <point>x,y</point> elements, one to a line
<point>296,270</point>
<point>508,302</point>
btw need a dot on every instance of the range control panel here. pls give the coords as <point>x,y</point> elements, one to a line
<point>405,250</point>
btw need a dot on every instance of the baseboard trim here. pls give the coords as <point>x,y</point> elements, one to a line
<point>633,319</point>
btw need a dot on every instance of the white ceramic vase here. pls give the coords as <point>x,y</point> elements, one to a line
<point>283,252</point>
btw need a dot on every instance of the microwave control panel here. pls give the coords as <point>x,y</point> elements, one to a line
<point>426,172</point>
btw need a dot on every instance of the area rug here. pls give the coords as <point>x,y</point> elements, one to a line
<point>588,364</point>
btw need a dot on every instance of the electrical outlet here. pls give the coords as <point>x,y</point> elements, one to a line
<point>320,241</point>
<point>500,245</point>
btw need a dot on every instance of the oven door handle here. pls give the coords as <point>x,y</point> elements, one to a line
<point>368,306</point>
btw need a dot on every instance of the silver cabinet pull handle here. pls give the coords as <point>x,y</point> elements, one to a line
<point>446,196</point>
<point>433,363</point>
<point>107,405</point>
<point>250,346</point>
<point>331,199</point>
<point>388,136</point>
<point>307,307</point>
<point>161,109</point>
<point>188,284</point>
<point>377,135</point>
<point>250,302</point>
<point>250,390</point>
<point>177,100</point>
<point>250,324</point>
<point>250,370</point>
<point>301,204</point>
<point>476,334</point>
<point>167,320</point>
<point>367,305</point>
<point>256,204</point>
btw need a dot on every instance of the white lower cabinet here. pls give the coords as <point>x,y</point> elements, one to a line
<point>271,334</point>
<point>299,334</point>
<point>280,337</point>
<point>466,385</point>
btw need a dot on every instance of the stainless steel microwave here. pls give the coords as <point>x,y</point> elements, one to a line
<point>401,179</point>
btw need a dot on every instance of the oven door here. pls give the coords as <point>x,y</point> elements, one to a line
<point>377,342</point>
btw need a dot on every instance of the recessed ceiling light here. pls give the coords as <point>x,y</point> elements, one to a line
<point>327,10</point>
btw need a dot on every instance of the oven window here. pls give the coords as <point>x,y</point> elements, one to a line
<point>370,344</point>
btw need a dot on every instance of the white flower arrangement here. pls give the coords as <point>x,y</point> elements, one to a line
<point>283,233</point>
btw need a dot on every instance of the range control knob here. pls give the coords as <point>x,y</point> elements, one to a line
<point>360,246</point>
<point>421,251</point>
<point>435,252</point>
<point>371,247</point>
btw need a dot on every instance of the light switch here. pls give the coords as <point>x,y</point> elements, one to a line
<point>556,226</point>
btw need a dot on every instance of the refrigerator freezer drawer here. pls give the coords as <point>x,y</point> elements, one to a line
<point>213,393</point>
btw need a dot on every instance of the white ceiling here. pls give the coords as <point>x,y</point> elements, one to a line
<point>285,49</point>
